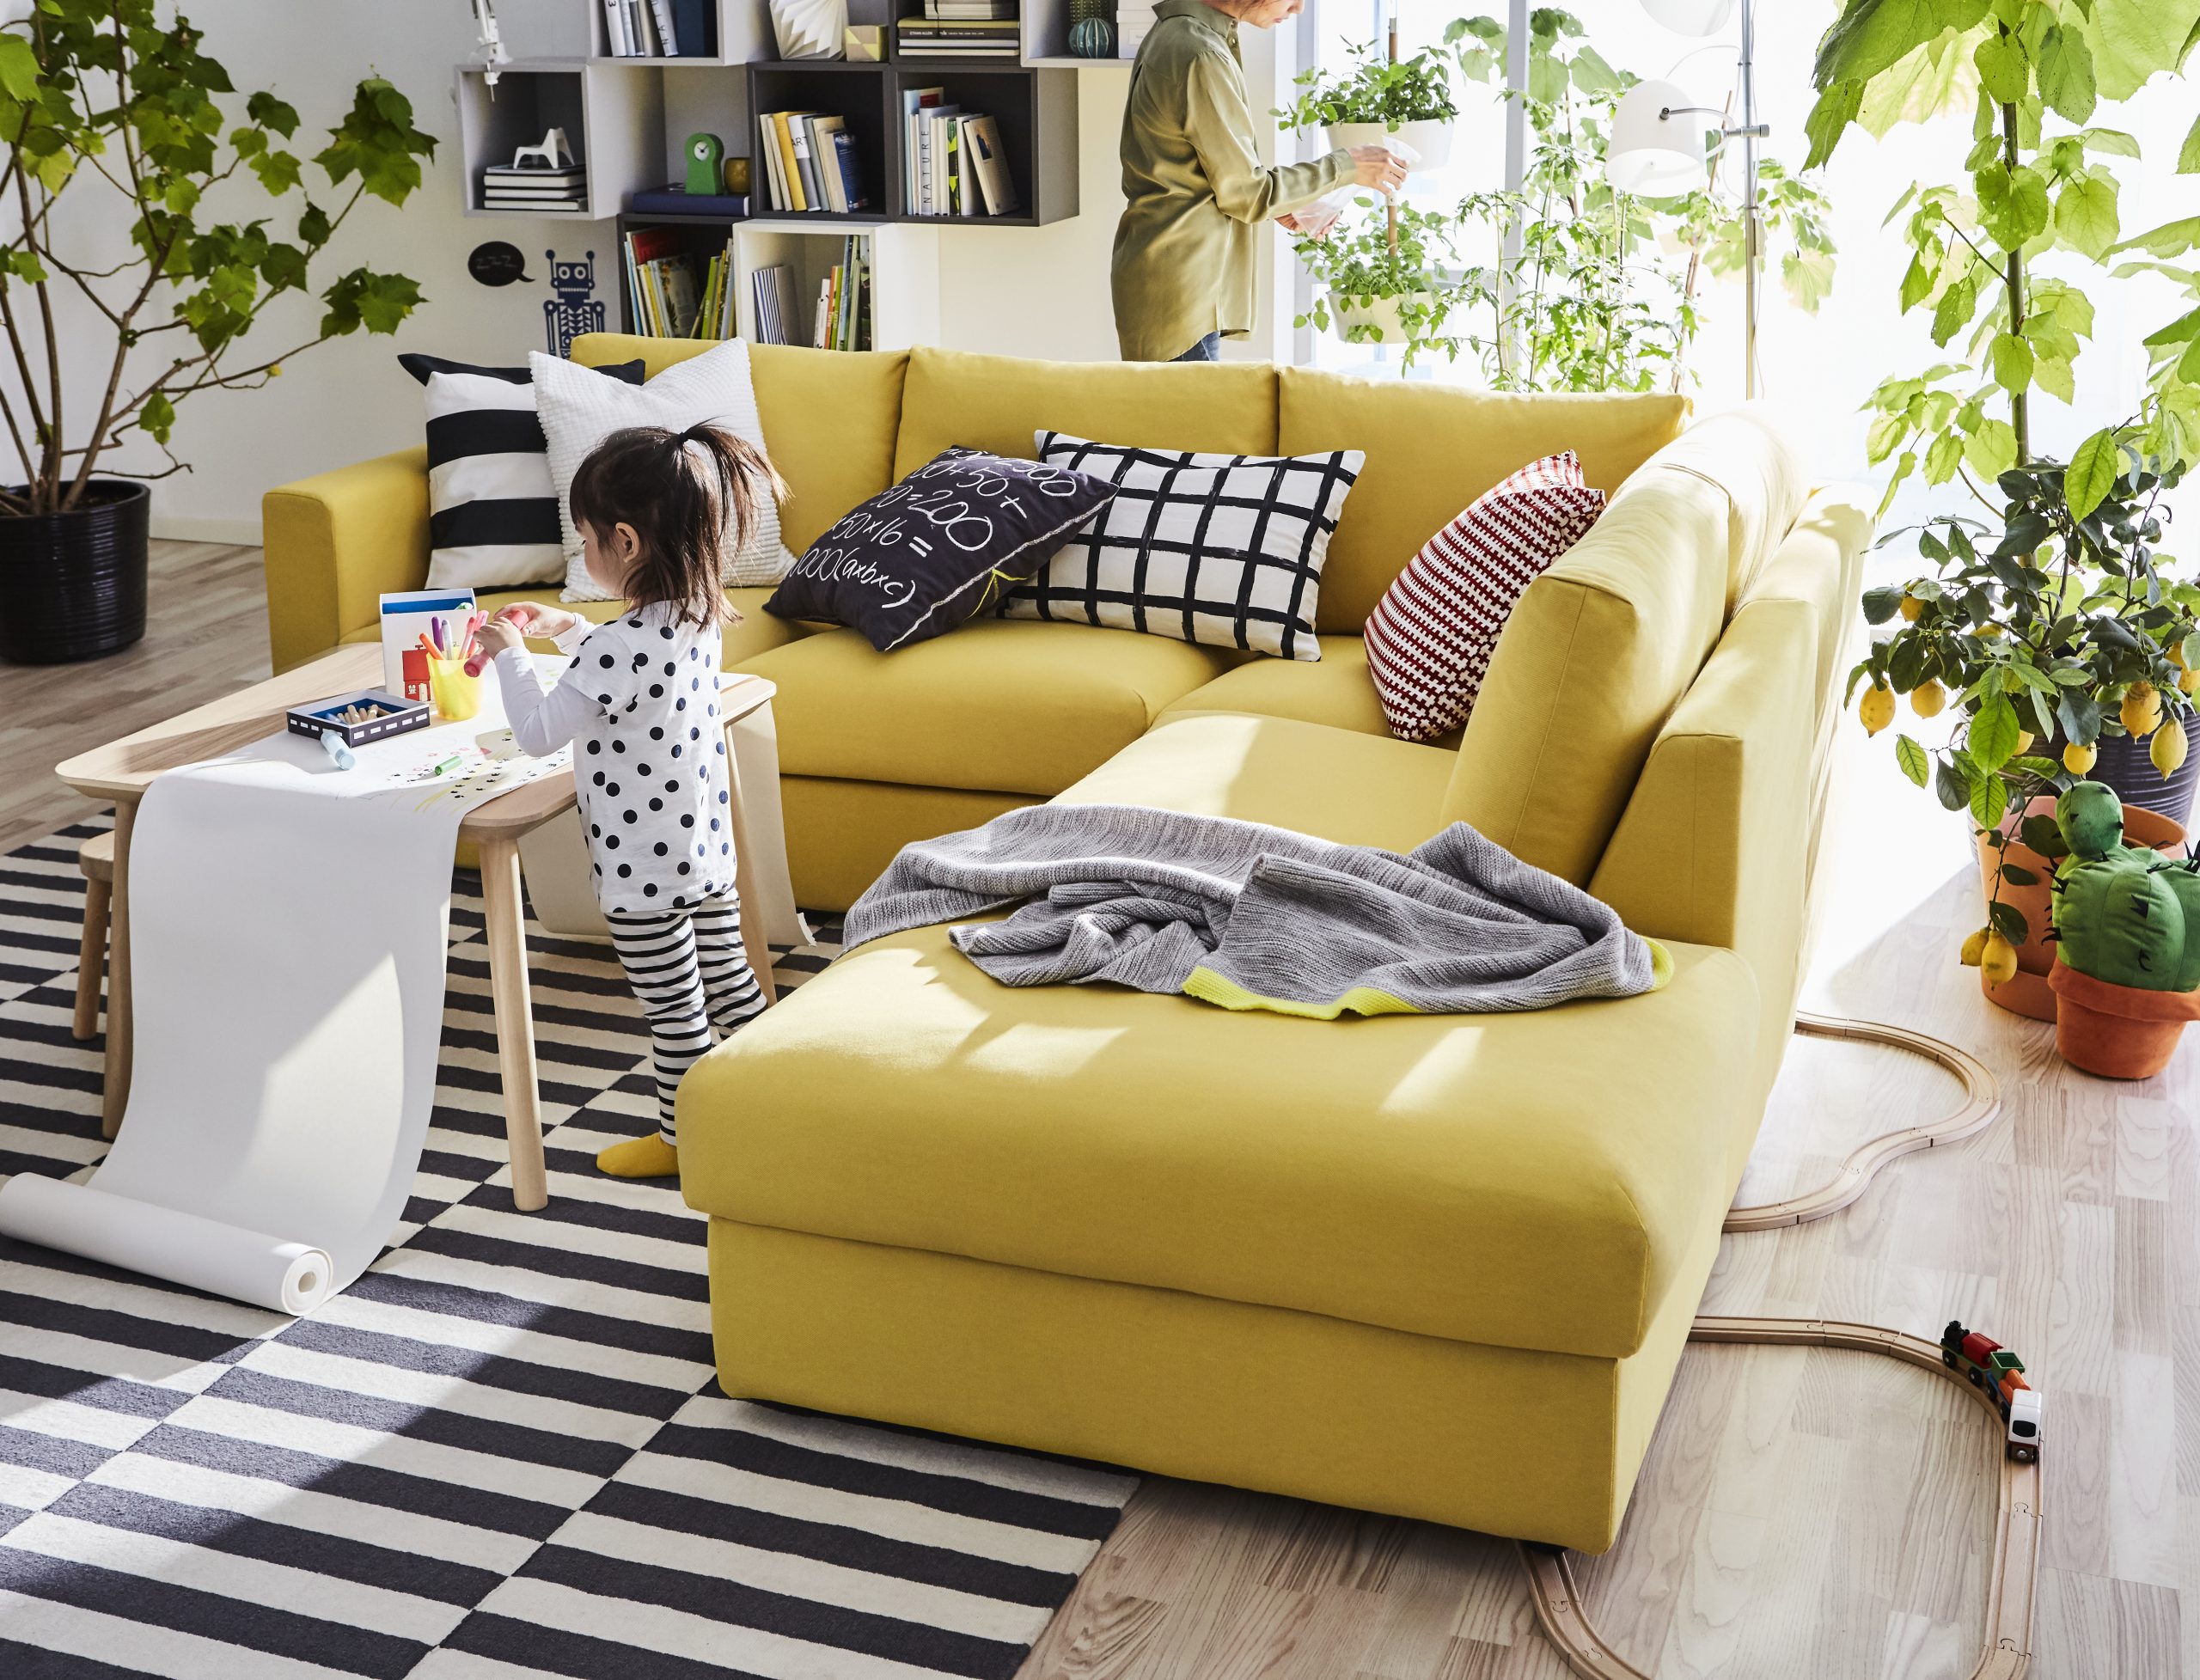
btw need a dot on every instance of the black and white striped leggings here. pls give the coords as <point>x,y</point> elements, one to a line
<point>690,974</point>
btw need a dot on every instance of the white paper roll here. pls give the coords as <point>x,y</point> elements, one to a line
<point>144,1237</point>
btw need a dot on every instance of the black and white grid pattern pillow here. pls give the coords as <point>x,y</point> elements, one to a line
<point>493,509</point>
<point>1223,549</point>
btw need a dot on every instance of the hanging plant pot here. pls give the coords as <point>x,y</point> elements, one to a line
<point>2118,1032</point>
<point>1429,142</point>
<point>1381,313</point>
<point>2028,993</point>
<point>72,585</point>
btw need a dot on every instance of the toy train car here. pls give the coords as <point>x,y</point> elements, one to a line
<point>1994,1368</point>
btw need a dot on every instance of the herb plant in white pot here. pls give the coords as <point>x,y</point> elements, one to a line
<point>1415,295</point>
<point>1407,105</point>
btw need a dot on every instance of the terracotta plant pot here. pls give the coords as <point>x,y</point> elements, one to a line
<point>2028,991</point>
<point>2118,1032</point>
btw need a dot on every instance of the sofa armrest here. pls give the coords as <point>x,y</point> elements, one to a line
<point>336,541</point>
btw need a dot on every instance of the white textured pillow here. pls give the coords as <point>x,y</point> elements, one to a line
<point>581,407</point>
<point>1221,549</point>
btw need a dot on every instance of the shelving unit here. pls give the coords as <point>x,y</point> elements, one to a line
<point>614,121</point>
<point>1035,109</point>
<point>627,119</point>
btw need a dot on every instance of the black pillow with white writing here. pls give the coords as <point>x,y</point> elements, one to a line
<point>1221,549</point>
<point>493,509</point>
<point>941,547</point>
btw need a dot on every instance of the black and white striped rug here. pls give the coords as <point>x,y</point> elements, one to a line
<point>502,1452</point>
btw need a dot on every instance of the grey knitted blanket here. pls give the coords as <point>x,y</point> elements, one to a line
<point>1250,916</point>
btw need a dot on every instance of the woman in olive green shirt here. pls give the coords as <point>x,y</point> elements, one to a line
<point>1185,250</point>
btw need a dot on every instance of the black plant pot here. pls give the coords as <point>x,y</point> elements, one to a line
<point>2124,766</point>
<point>72,585</point>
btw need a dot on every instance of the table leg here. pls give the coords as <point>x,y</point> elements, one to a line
<point>116,1094</point>
<point>507,938</point>
<point>753,939</point>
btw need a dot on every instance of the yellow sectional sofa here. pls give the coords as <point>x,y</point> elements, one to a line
<point>1441,1265</point>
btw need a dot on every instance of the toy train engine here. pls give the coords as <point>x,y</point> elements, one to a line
<point>1994,1368</point>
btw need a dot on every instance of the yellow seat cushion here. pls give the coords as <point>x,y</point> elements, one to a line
<point>1005,706</point>
<point>1357,789</point>
<point>1433,448</point>
<point>1336,690</point>
<point>1534,1180</point>
<point>830,417</point>
<point>997,403</point>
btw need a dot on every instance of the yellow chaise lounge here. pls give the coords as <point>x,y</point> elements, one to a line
<point>1440,1265</point>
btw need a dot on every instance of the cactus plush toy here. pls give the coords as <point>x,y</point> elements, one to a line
<point>2123,913</point>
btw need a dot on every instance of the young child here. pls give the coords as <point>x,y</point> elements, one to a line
<point>655,510</point>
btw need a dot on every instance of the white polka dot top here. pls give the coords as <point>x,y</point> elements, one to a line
<point>640,703</point>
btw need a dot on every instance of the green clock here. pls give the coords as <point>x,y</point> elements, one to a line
<point>706,159</point>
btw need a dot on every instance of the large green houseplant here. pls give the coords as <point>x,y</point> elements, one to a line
<point>117,101</point>
<point>1604,293</point>
<point>2048,617</point>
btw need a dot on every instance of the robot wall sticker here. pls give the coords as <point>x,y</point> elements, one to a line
<point>572,307</point>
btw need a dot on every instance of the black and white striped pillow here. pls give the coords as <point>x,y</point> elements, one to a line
<point>1222,549</point>
<point>492,509</point>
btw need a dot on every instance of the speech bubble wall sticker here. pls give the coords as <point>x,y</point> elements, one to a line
<point>496,263</point>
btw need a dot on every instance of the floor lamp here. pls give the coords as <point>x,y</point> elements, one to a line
<point>1656,151</point>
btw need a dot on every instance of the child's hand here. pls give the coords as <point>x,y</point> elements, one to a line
<point>532,618</point>
<point>500,636</point>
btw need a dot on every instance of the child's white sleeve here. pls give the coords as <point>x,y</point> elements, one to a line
<point>574,634</point>
<point>542,721</point>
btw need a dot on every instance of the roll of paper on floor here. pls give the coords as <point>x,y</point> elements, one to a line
<point>338,753</point>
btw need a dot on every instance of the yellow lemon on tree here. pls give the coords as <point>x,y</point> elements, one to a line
<point>1927,698</point>
<point>1876,709</point>
<point>2188,679</point>
<point>1997,960</point>
<point>2142,710</point>
<point>1974,949</point>
<point>2168,749</point>
<point>2025,738</point>
<point>2078,760</point>
<point>1913,605</point>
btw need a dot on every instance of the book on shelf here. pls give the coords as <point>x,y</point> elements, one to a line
<point>971,10</point>
<point>773,289</point>
<point>550,192</point>
<point>915,102</point>
<point>919,38</point>
<point>842,317</point>
<point>810,163</point>
<point>675,200</point>
<point>981,138</point>
<point>667,298</point>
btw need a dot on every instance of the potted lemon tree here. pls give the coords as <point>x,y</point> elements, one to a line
<point>119,98</point>
<point>2045,637</point>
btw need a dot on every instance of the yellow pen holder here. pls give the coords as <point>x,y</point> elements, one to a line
<point>457,695</point>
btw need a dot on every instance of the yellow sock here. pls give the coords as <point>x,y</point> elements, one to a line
<point>640,1157</point>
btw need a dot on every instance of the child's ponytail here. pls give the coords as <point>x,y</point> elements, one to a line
<point>692,498</point>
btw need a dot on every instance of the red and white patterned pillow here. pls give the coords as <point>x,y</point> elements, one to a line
<point>1430,638</point>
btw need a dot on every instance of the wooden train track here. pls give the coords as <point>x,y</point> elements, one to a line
<point>1982,1103</point>
<point>2010,1593</point>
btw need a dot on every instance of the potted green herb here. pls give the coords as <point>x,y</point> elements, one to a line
<point>1375,102</point>
<point>1411,296</point>
<point>117,96</point>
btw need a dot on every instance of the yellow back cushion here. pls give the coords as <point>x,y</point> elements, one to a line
<point>1603,644</point>
<point>1432,449</point>
<point>830,418</point>
<point>997,402</point>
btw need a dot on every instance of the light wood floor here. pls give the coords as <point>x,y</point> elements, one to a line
<point>1805,1514</point>
<point>205,633</point>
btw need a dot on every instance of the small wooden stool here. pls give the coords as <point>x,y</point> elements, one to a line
<point>96,859</point>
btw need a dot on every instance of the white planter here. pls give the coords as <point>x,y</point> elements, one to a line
<point>1430,141</point>
<point>1379,313</point>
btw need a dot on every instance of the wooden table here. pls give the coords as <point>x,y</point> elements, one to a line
<point>122,770</point>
